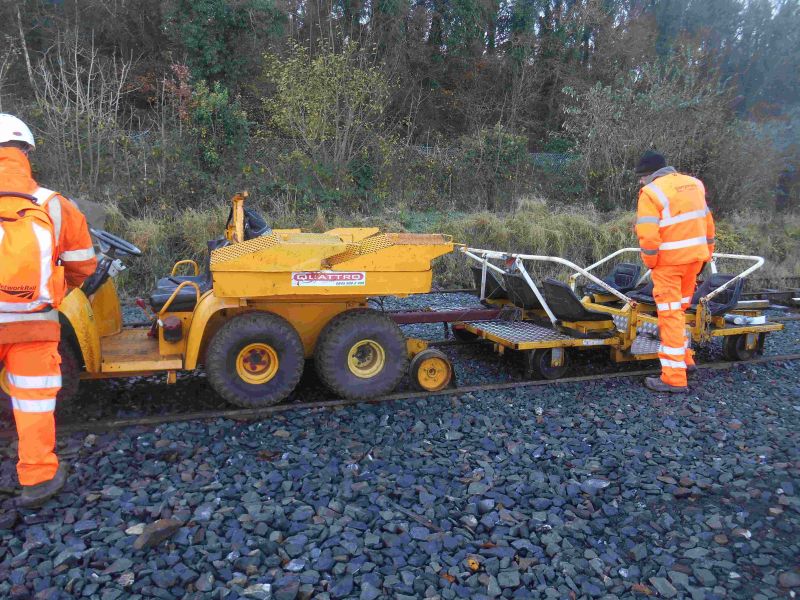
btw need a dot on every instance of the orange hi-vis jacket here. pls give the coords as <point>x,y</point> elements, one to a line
<point>673,222</point>
<point>73,247</point>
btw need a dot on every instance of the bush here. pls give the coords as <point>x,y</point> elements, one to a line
<point>218,125</point>
<point>683,113</point>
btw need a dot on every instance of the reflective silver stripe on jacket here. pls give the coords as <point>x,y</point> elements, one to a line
<point>665,214</point>
<point>688,216</point>
<point>698,241</point>
<point>46,315</point>
<point>77,255</point>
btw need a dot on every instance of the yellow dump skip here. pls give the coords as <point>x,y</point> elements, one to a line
<point>342,262</point>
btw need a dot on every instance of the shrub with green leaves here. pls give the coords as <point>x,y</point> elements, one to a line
<point>218,124</point>
<point>331,103</point>
<point>221,37</point>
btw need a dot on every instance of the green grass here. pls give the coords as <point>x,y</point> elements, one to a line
<point>578,233</point>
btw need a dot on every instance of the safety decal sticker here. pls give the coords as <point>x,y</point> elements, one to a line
<point>329,278</point>
<point>593,342</point>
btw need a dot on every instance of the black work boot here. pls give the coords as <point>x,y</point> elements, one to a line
<point>655,384</point>
<point>34,496</point>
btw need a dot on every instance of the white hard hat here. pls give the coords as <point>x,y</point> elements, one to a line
<point>13,129</point>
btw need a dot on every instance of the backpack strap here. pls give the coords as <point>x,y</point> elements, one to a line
<point>19,195</point>
<point>43,197</point>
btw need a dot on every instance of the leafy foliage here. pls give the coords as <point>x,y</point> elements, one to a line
<point>218,124</point>
<point>214,34</point>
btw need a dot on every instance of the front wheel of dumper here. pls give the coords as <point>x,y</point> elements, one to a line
<point>431,370</point>
<point>546,363</point>
<point>255,360</point>
<point>361,354</point>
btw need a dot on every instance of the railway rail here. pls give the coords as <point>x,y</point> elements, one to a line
<point>243,414</point>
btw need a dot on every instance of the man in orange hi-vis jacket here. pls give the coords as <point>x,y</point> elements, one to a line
<point>51,239</point>
<point>676,237</point>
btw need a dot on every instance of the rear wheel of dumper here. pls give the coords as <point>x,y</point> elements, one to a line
<point>361,354</point>
<point>255,359</point>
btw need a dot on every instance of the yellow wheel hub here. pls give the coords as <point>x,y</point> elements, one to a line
<point>366,359</point>
<point>433,373</point>
<point>257,363</point>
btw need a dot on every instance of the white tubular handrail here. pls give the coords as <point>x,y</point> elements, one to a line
<point>759,262</point>
<point>482,256</point>
<point>574,277</point>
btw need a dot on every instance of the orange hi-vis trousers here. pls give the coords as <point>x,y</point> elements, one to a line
<point>673,288</point>
<point>33,378</point>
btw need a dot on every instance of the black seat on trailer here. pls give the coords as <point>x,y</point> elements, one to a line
<point>494,289</point>
<point>622,278</point>
<point>519,292</point>
<point>726,300</point>
<point>643,294</point>
<point>185,300</point>
<point>566,305</point>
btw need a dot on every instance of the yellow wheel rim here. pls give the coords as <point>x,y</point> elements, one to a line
<point>257,363</point>
<point>433,373</point>
<point>366,359</point>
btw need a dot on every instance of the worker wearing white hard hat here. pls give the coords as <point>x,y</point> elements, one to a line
<point>13,129</point>
<point>29,324</point>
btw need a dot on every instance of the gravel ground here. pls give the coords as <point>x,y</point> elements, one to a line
<point>587,490</point>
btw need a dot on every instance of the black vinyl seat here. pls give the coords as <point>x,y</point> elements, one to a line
<point>519,292</point>
<point>643,294</point>
<point>726,300</point>
<point>566,305</point>
<point>494,289</point>
<point>622,278</point>
<point>186,298</point>
<point>204,278</point>
<point>720,304</point>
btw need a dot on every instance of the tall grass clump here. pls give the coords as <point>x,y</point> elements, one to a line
<point>579,234</point>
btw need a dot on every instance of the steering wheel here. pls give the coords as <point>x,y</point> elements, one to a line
<point>115,242</point>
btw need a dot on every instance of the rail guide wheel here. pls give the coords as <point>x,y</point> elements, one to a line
<point>255,360</point>
<point>546,363</point>
<point>742,346</point>
<point>431,370</point>
<point>361,354</point>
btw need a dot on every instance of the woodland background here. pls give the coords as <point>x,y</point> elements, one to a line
<point>509,123</point>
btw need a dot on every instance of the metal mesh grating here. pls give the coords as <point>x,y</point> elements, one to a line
<point>367,246</point>
<point>519,332</point>
<point>644,344</point>
<point>234,251</point>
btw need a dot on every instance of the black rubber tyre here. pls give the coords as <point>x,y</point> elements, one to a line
<point>71,367</point>
<point>224,359</point>
<point>734,347</point>
<point>538,365</point>
<point>361,335</point>
<point>430,370</point>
